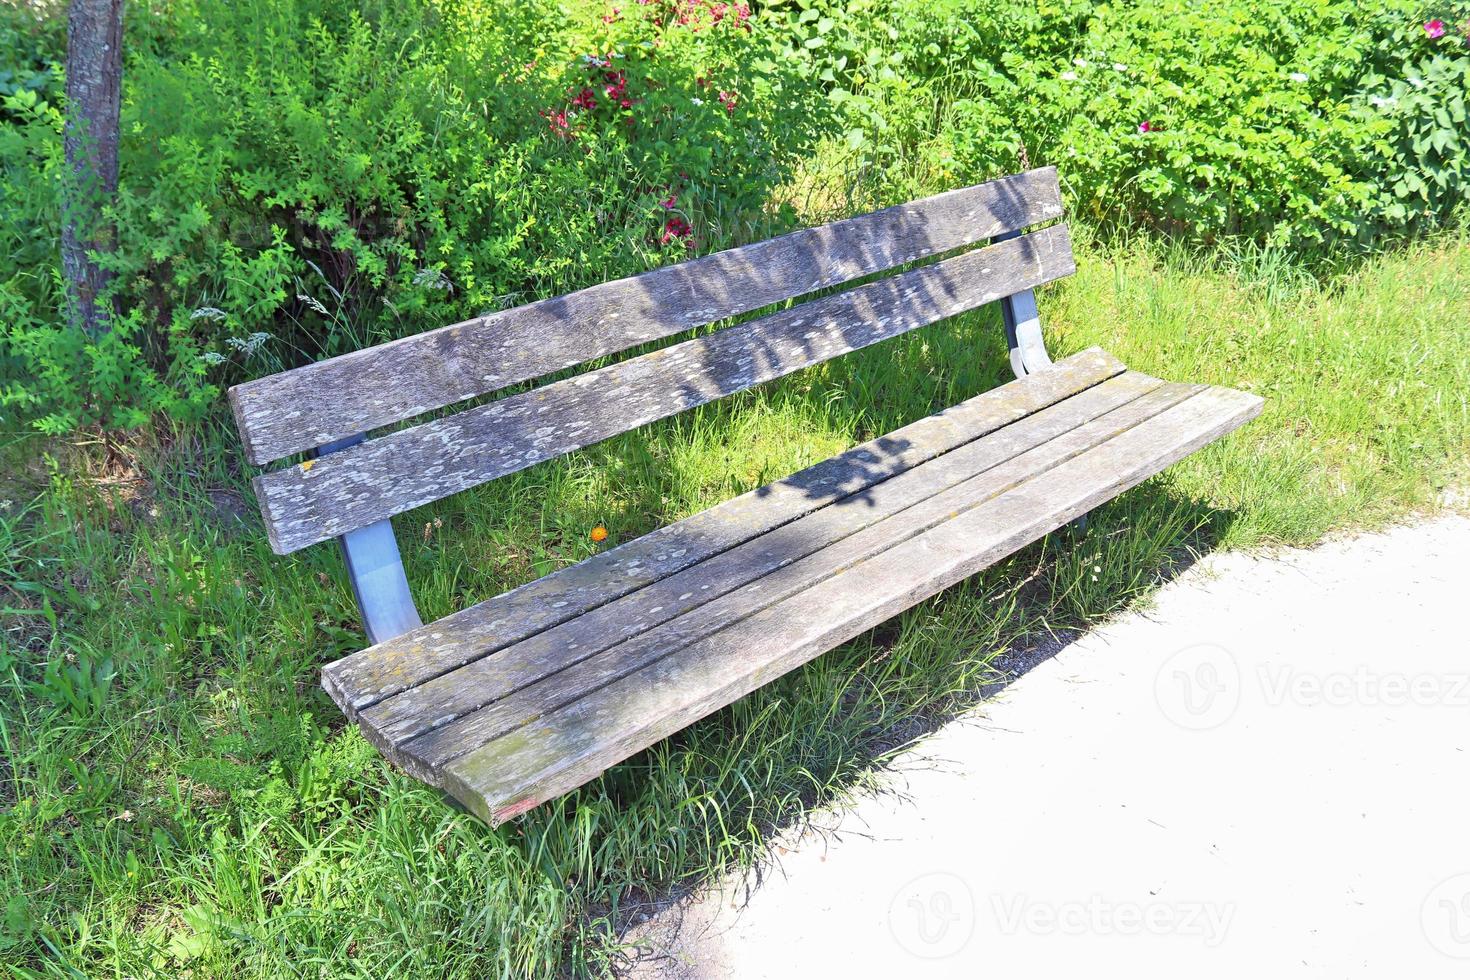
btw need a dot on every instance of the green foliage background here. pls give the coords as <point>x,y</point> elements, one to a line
<point>301,178</point>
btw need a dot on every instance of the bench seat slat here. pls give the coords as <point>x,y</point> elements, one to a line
<point>541,674</point>
<point>576,742</point>
<point>320,403</point>
<point>327,497</point>
<point>766,559</point>
<point>369,676</point>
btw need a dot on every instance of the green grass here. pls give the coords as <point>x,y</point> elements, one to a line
<point>178,796</point>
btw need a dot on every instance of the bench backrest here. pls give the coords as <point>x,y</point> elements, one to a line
<point>337,399</point>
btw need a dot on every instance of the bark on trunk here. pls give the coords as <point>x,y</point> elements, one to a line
<point>93,91</point>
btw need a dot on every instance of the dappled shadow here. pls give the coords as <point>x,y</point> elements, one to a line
<point>867,467</point>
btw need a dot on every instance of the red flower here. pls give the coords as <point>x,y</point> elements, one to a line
<point>1434,28</point>
<point>613,17</point>
<point>717,11</point>
<point>558,123</point>
<point>727,99</point>
<point>676,229</point>
<point>586,99</point>
<point>617,84</point>
<point>668,205</point>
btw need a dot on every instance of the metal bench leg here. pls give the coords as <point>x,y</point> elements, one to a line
<point>1023,328</point>
<point>375,569</point>
<point>1027,346</point>
<point>1023,333</point>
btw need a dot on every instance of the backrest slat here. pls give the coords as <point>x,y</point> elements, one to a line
<point>313,405</point>
<point>326,497</point>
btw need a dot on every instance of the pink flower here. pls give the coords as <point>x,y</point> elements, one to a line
<point>717,11</point>
<point>586,99</point>
<point>1434,28</point>
<point>1145,127</point>
<point>668,204</point>
<point>676,229</point>
<point>558,122</point>
<point>617,81</point>
<point>727,99</point>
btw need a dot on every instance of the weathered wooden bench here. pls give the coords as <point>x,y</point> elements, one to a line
<point>529,694</point>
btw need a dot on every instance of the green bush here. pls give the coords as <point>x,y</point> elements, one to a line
<point>1303,123</point>
<point>301,178</point>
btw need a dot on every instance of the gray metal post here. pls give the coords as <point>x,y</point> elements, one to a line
<point>375,569</point>
<point>1023,328</point>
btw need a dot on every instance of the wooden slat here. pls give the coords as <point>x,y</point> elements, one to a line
<point>370,675</point>
<point>440,700</point>
<point>577,742</point>
<point>323,498</point>
<point>535,678</point>
<point>323,402</point>
<point>443,699</point>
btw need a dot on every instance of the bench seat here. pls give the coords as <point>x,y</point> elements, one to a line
<point>532,693</point>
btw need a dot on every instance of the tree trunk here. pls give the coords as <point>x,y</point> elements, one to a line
<point>94,95</point>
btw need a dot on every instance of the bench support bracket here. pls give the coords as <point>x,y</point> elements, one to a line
<point>1023,328</point>
<point>1027,345</point>
<point>375,569</point>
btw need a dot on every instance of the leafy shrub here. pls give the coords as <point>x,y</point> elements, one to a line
<point>1414,98</point>
<point>1302,123</point>
<point>320,176</point>
<point>307,177</point>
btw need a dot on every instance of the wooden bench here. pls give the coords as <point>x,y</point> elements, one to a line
<point>529,694</point>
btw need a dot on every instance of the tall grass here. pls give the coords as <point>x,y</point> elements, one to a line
<point>177,795</point>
